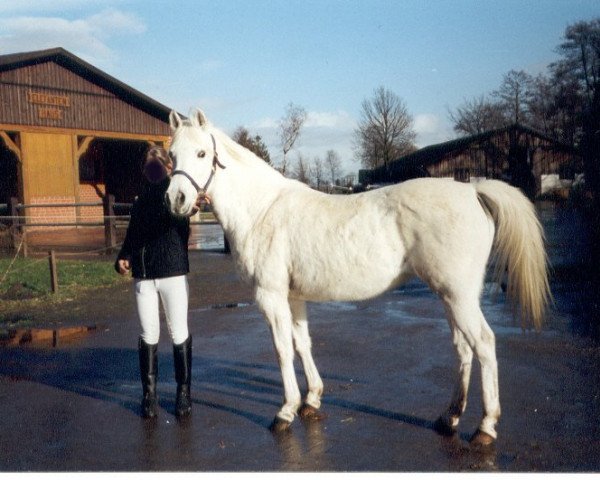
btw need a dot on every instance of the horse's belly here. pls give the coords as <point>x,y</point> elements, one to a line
<point>346,283</point>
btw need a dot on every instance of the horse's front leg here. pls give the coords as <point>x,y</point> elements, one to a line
<point>276,310</point>
<point>303,346</point>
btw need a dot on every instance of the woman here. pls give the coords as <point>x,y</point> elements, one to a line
<point>155,251</point>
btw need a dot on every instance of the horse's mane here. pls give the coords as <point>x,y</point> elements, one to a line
<point>240,153</point>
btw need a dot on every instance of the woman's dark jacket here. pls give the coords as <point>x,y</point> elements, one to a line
<point>156,242</point>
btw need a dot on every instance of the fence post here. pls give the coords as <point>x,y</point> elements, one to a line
<point>17,233</point>
<point>53,271</point>
<point>110,224</point>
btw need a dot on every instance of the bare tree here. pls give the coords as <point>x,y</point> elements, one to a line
<point>318,171</point>
<point>539,103</point>
<point>581,55</point>
<point>514,93</point>
<point>302,171</point>
<point>385,130</point>
<point>289,130</point>
<point>254,144</point>
<point>567,106</point>
<point>333,165</point>
<point>477,116</point>
<point>581,59</point>
<point>548,107</point>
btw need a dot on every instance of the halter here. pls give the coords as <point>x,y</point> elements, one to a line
<point>215,164</point>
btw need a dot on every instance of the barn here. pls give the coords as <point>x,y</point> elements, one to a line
<point>517,154</point>
<point>70,133</point>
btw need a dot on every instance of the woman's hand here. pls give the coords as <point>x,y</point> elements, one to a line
<point>202,198</point>
<point>124,266</point>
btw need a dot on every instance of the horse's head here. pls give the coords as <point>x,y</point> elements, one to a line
<point>194,156</point>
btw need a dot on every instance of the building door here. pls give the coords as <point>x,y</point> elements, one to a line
<point>48,175</point>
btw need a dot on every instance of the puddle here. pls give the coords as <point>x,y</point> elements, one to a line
<point>207,237</point>
<point>44,336</point>
<point>221,306</point>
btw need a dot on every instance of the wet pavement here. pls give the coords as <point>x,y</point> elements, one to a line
<point>387,364</point>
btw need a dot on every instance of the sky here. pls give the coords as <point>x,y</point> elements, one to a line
<point>243,61</point>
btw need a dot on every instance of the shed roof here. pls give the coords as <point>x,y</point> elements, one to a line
<point>433,153</point>
<point>80,67</point>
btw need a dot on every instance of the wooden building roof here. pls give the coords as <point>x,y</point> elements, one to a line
<point>433,153</point>
<point>416,164</point>
<point>58,79</point>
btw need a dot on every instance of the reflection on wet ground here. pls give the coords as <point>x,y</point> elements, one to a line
<point>207,236</point>
<point>43,336</point>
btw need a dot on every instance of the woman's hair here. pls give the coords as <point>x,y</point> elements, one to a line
<point>155,167</point>
<point>156,152</point>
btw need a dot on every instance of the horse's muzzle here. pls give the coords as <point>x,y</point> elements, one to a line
<point>177,206</point>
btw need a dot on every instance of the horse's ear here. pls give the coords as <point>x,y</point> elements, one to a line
<point>198,118</point>
<point>174,120</point>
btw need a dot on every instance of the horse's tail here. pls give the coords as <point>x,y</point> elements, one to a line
<point>519,249</point>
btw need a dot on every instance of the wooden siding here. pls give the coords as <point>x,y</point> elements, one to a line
<point>49,95</point>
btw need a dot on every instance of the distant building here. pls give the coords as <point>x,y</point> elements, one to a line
<point>349,179</point>
<point>70,133</point>
<point>517,154</point>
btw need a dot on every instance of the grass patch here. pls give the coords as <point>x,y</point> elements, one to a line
<point>30,277</point>
<point>26,284</point>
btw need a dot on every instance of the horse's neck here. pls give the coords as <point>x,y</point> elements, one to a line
<point>242,193</point>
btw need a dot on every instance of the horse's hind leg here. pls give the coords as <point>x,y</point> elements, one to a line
<point>448,421</point>
<point>277,312</point>
<point>303,347</point>
<point>466,315</point>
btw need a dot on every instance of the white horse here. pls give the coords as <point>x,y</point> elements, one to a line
<point>296,244</point>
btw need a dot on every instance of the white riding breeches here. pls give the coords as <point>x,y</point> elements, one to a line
<point>173,292</point>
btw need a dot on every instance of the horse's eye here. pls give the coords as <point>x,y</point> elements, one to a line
<point>201,154</point>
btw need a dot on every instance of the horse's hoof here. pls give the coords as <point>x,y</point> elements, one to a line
<point>279,425</point>
<point>308,412</point>
<point>481,439</point>
<point>442,427</point>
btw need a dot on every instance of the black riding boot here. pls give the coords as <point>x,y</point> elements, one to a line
<point>148,371</point>
<point>182,355</point>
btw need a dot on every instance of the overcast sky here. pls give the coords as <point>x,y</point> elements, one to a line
<point>243,61</point>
